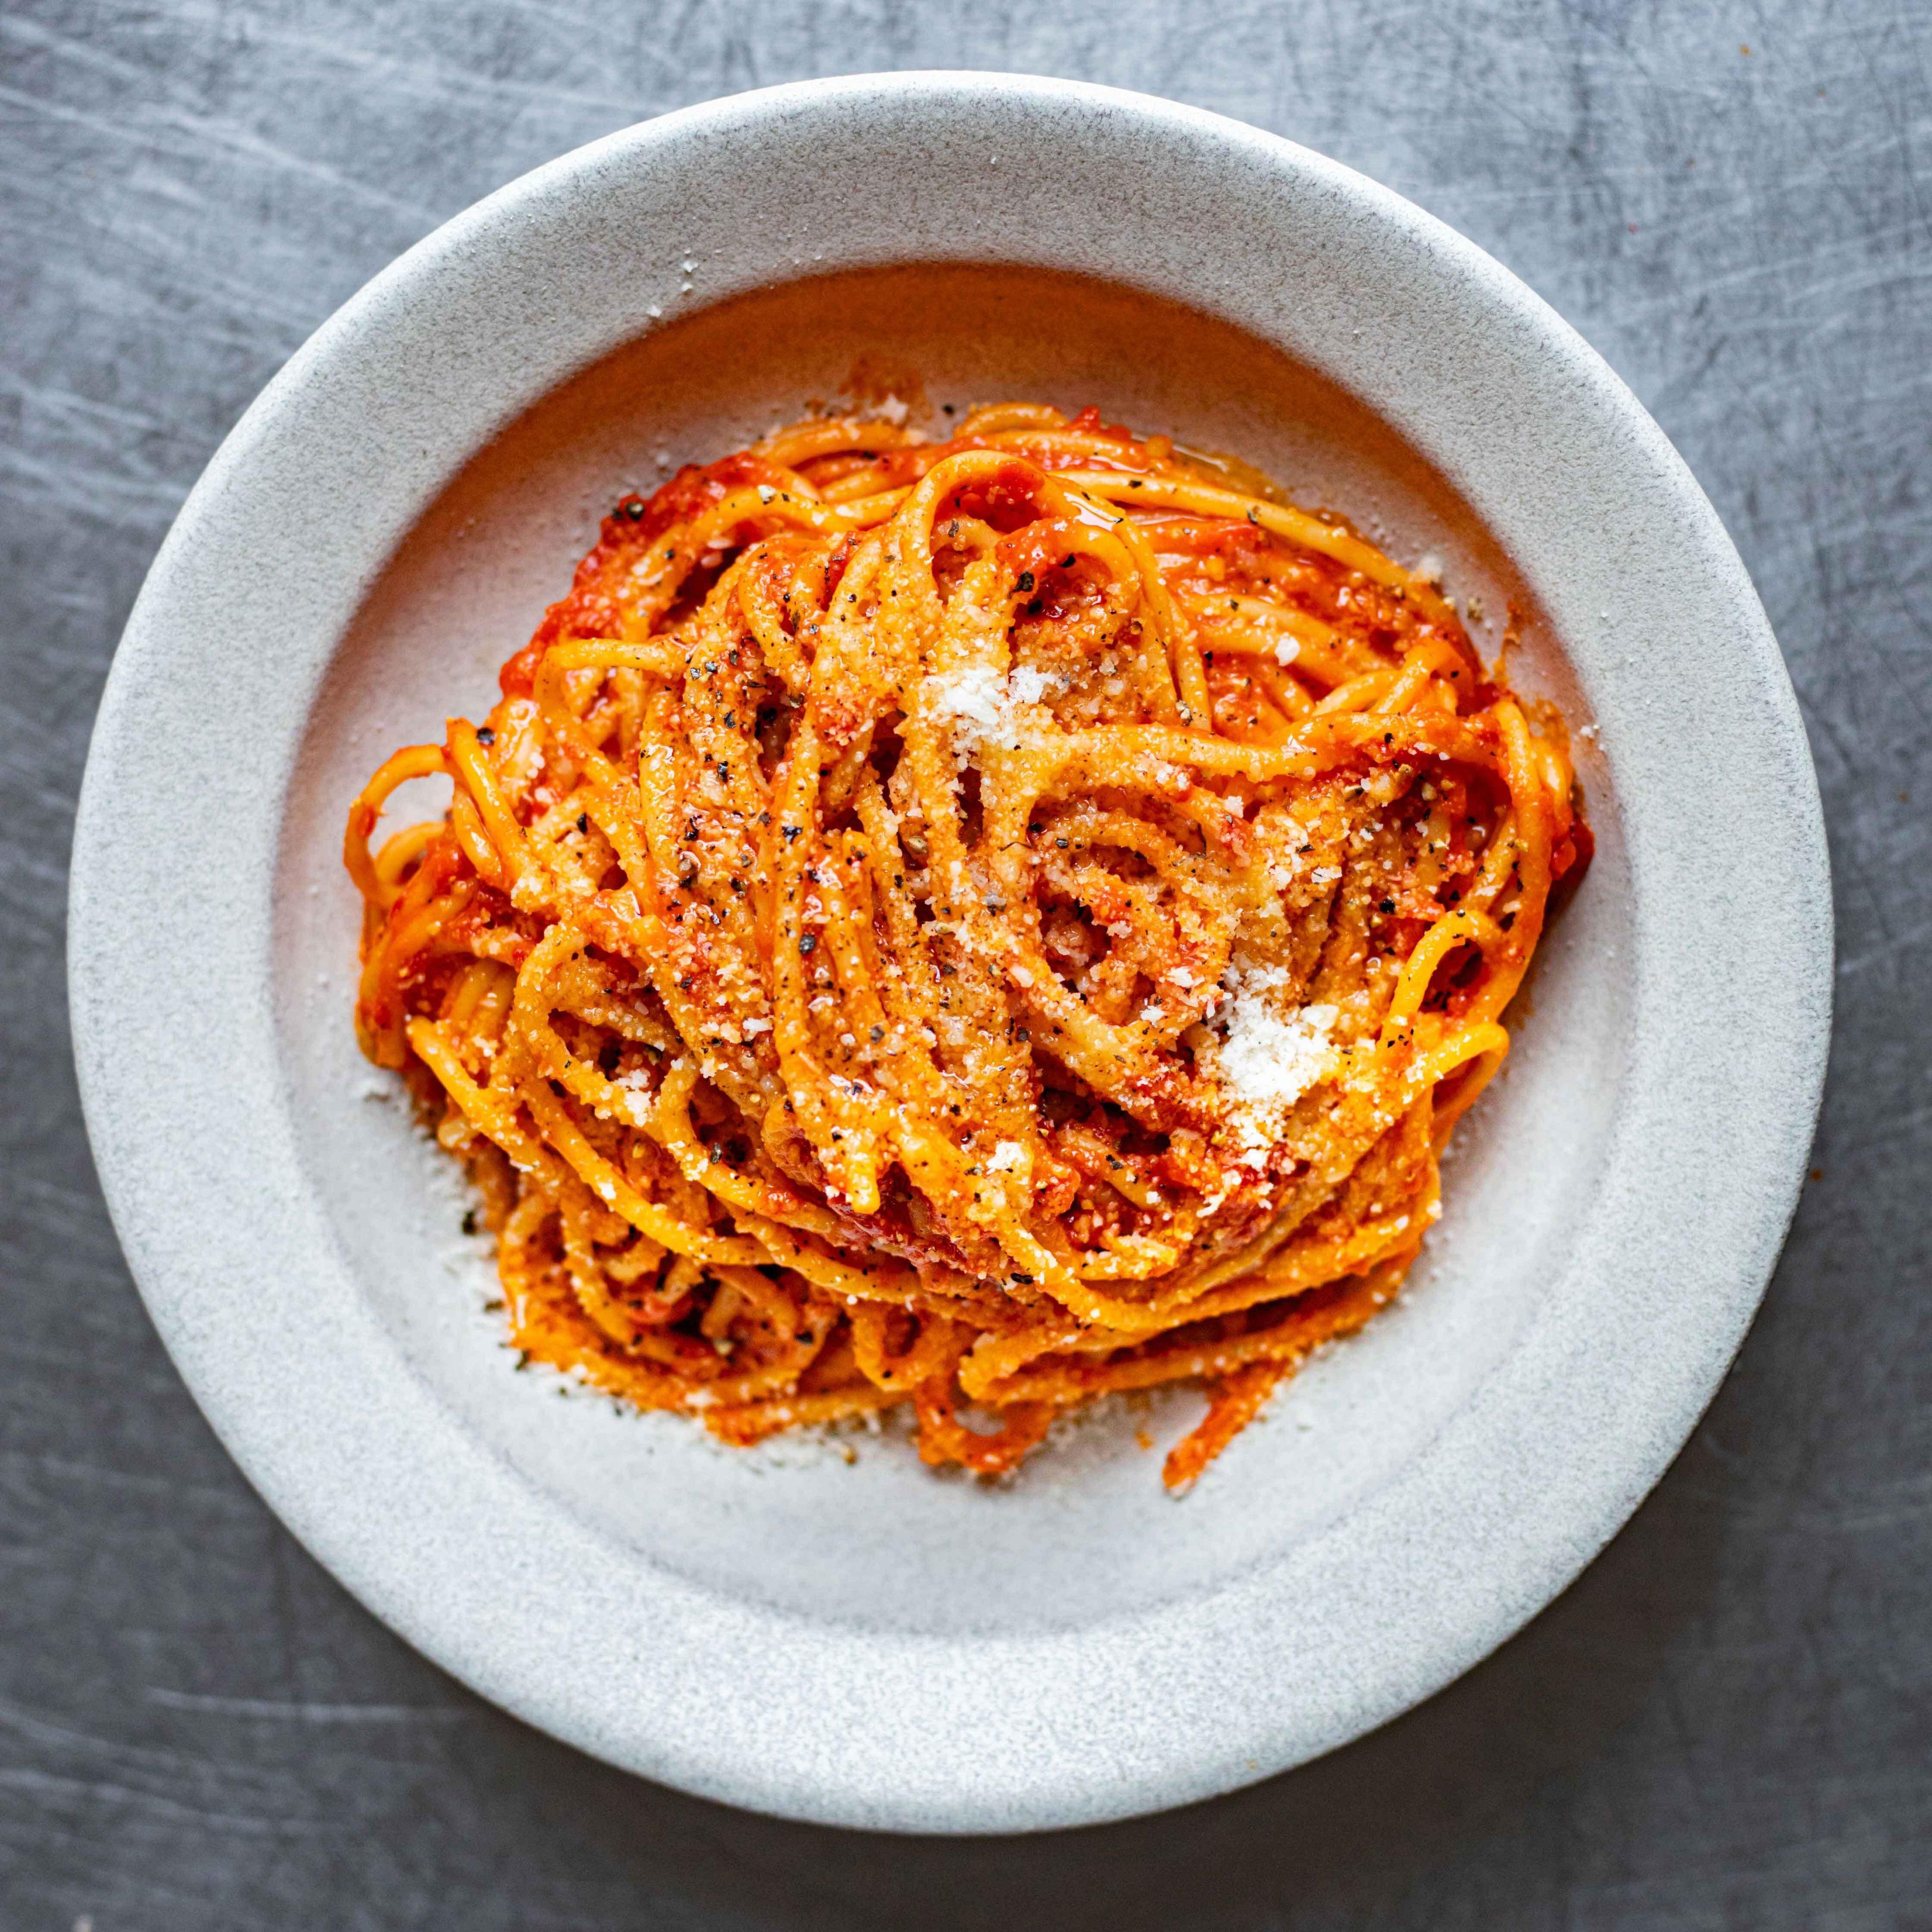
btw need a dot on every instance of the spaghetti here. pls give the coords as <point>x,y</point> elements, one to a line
<point>973,925</point>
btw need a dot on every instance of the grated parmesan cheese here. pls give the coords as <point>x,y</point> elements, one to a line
<point>1027,685</point>
<point>1266,1059</point>
<point>1269,1062</point>
<point>981,704</point>
<point>973,698</point>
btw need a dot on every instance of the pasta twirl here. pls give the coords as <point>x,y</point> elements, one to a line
<point>970,925</point>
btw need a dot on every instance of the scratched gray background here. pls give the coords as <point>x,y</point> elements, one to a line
<point>1728,1722</point>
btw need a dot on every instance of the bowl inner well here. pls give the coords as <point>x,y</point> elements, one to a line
<point>850,1527</point>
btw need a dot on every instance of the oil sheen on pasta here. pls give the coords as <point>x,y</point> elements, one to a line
<point>970,924</point>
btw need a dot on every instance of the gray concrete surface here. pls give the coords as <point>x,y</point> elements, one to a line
<point>1728,1722</point>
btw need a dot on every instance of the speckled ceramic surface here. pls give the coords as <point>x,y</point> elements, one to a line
<point>823,1628</point>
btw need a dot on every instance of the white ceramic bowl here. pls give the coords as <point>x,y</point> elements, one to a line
<point>860,1641</point>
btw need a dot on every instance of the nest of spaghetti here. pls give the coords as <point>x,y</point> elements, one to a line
<point>973,925</point>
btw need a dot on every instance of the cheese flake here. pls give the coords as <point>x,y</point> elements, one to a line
<point>980,704</point>
<point>1268,1061</point>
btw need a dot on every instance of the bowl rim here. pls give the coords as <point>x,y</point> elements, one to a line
<point>459,1589</point>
